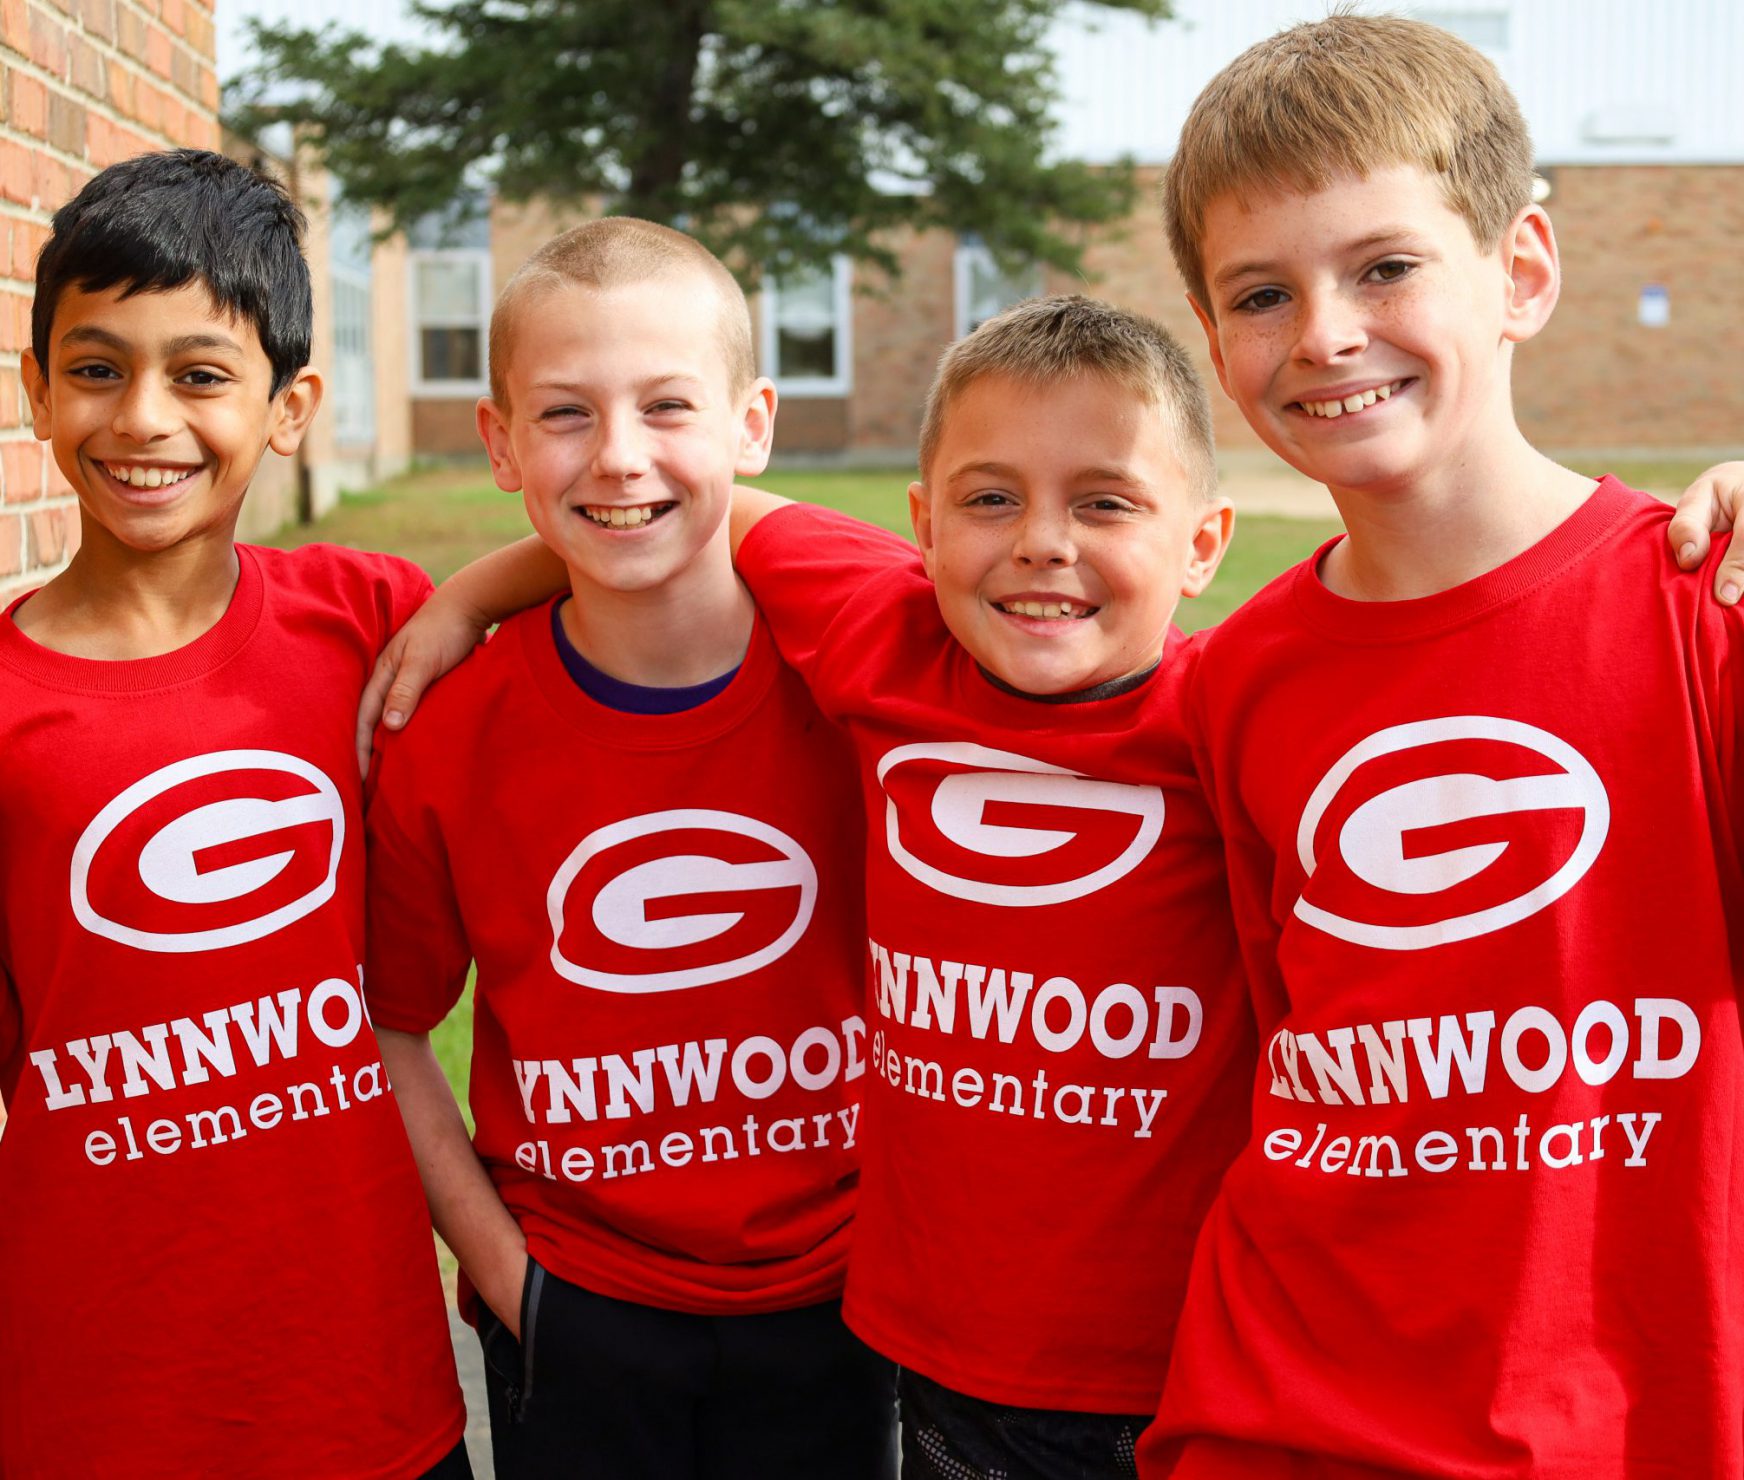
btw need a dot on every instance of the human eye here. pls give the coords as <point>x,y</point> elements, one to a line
<point>560,414</point>
<point>1259,300</point>
<point>1391,270</point>
<point>989,498</point>
<point>204,378</point>
<point>93,373</point>
<point>1109,503</point>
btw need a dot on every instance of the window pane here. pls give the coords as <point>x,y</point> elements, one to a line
<point>990,292</point>
<point>806,303</point>
<point>452,354</point>
<point>447,290</point>
<point>806,353</point>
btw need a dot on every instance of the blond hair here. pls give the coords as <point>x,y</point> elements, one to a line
<point>1343,96</point>
<point>1046,340</point>
<point>614,252</point>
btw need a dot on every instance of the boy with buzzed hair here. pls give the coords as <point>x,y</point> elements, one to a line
<point>214,1259</point>
<point>629,813</point>
<point>1468,761</point>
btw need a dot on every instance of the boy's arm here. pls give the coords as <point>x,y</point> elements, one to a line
<point>471,601</point>
<point>450,625</point>
<point>1710,506</point>
<point>464,1204</point>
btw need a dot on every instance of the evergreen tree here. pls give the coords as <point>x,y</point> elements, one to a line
<point>777,131</point>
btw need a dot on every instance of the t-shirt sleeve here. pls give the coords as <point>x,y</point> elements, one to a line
<point>1721,649</point>
<point>416,953</point>
<point>804,565</point>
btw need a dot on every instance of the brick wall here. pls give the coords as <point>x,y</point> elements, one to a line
<point>83,83</point>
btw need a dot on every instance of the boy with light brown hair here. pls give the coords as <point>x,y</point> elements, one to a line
<point>1467,761</point>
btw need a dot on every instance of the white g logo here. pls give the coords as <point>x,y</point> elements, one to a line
<point>1372,839</point>
<point>634,937</point>
<point>168,862</point>
<point>957,821</point>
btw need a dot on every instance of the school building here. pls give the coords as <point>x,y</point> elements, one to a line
<point>1640,144</point>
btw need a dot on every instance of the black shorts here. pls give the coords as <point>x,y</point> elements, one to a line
<point>947,1435</point>
<point>607,1387</point>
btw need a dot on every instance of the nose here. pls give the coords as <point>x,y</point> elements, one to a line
<point>1329,327</point>
<point>146,410</point>
<point>1044,538</point>
<point>620,447</point>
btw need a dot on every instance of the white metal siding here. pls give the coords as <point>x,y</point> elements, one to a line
<point>1127,84</point>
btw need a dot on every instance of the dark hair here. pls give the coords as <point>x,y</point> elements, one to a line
<point>158,222</point>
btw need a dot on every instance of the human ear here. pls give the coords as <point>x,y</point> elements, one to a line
<point>36,388</point>
<point>1210,541</point>
<point>297,404</point>
<point>493,431</point>
<point>756,428</point>
<point>1534,273</point>
<point>1209,325</point>
<point>920,515</point>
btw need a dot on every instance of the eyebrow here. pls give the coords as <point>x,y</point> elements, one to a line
<point>181,344</point>
<point>676,377</point>
<point>1382,236</point>
<point>1079,475</point>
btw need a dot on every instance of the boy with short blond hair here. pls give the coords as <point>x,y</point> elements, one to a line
<point>1467,760</point>
<point>628,812</point>
<point>214,1259</point>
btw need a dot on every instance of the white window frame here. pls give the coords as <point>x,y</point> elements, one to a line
<point>481,263</point>
<point>802,387</point>
<point>964,260</point>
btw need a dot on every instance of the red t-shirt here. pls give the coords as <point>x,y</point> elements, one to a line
<point>215,1257</point>
<point>1061,1039</point>
<point>1484,851</point>
<point>668,1029</point>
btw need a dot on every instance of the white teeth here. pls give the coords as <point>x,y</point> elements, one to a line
<point>1356,401</point>
<point>137,477</point>
<point>620,518</point>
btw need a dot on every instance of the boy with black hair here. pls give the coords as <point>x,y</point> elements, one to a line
<point>1468,761</point>
<point>214,1258</point>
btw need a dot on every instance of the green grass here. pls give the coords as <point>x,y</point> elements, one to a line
<point>442,518</point>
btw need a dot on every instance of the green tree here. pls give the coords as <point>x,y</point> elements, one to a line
<point>778,131</point>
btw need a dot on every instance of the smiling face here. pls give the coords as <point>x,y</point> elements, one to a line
<point>158,407</point>
<point>623,431</point>
<point>1060,528</point>
<point>1363,332</point>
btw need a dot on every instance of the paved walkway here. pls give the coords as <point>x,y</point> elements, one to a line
<point>471,1363</point>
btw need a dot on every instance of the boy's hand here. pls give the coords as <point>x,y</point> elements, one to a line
<point>440,633</point>
<point>1711,506</point>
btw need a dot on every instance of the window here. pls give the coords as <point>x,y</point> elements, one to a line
<point>352,393</point>
<point>450,312</point>
<point>808,330</point>
<point>983,290</point>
